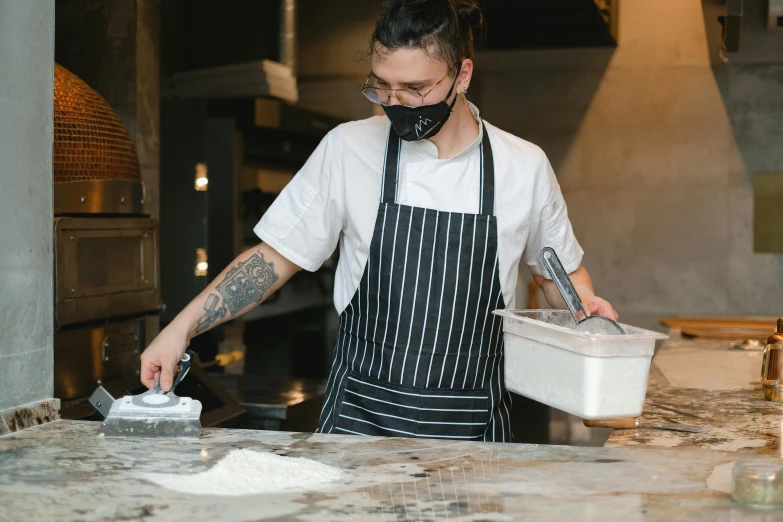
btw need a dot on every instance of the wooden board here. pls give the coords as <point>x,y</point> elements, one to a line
<point>723,327</point>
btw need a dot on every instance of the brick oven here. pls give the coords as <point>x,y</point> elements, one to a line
<point>107,283</point>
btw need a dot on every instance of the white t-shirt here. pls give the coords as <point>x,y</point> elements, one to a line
<point>335,197</point>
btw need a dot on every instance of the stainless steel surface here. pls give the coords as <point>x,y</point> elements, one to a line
<point>98,197</point>
<point>101,400</point>
<point>86,357</point>
<point>563,283</point>
<point>596,325</point>
<point>276,403</point>
<point>105,267</point>
<point>288,37</point>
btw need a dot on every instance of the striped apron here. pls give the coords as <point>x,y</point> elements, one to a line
<point>419,352</point>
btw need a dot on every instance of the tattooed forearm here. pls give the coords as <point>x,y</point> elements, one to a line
<point>247,283</point>
<point>213,311</point>
<point>243,285</point>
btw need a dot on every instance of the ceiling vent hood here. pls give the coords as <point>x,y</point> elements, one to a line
<point>249,79</point>
<point>244,80</point>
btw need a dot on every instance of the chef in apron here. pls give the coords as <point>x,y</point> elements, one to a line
<point>433,210</point>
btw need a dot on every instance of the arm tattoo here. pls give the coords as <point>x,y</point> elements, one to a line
<point>243,285</point>
<point>212,312</point>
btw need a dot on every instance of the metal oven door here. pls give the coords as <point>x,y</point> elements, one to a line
<point>105,267</point>
<point>87,357</point>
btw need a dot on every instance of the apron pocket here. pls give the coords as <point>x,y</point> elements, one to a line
<point>373,407</point>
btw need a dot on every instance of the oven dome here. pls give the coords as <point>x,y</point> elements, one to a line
<point>90,140</point>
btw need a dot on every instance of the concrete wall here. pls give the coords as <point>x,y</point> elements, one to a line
<point>334,38</point>
<point>26,259</point>
<point>655,144</point>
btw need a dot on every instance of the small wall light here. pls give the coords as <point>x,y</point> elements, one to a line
<point>201,262</point>
<point>201,177</point>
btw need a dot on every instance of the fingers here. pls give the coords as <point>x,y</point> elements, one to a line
<point>149,372</point>
<point>598,306</point>
<point>609,312</point>
<point>167,373</point>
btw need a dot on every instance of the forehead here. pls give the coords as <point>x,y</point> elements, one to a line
<point>407,65</point>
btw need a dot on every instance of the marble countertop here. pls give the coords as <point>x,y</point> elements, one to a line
<point>739,419</point>
<point>62,471</point>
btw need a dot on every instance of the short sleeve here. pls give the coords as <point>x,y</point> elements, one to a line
<point>305,220</point>
<point>550,226</point>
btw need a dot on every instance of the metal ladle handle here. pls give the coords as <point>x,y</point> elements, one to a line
<point>563,283</point>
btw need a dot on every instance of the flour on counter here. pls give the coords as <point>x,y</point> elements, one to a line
<point>247,472</point>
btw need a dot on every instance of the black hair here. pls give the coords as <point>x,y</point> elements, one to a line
<point>446,27</point>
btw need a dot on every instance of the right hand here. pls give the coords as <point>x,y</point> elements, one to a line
<point>159,361</point>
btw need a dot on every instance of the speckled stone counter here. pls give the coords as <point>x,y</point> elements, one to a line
<point>739,420</point>
<point>62,471</point>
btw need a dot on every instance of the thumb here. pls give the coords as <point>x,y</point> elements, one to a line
<point>167,373</point>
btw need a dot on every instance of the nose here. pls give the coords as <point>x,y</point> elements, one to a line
<point>393,99</point>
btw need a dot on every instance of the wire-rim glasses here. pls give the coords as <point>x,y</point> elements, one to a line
<point>408,97</point>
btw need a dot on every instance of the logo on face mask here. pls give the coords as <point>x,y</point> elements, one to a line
<point>422,123</point>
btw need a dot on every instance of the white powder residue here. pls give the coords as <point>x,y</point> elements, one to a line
<point>247,472</point>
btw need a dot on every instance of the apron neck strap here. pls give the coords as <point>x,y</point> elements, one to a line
<point>391,168</point>
<point>487,204</point>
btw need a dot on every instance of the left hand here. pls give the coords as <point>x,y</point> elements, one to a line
<point>594,305</point>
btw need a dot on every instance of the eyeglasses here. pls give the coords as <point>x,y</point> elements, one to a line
<point>409,97</point>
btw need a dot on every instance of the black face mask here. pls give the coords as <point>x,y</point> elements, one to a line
<point>417,123</point>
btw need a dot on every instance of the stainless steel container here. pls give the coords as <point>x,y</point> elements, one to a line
<point>772,366</point>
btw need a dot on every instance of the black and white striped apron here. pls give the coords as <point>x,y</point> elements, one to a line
<point>420,353</point>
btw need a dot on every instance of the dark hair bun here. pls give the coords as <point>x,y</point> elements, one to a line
<point>470,13</point>
<point>449,27</point>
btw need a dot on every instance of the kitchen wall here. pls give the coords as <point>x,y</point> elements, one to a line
<point>26,259</point>
<point>655,144</point>
<point>333,41</point>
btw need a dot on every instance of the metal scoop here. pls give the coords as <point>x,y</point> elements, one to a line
<point>593,325</point>
<point>155,413</point>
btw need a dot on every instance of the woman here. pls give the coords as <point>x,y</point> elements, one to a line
<point>433,210</point>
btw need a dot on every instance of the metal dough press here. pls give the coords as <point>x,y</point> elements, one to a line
<point>155,413</point>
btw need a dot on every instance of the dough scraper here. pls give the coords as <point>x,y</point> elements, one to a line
<point>156,413</point>
<point>589,324</point>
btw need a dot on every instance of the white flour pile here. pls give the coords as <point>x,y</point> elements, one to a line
<point>247,472</point>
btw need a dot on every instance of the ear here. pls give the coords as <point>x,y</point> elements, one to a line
<point>465,75</point>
